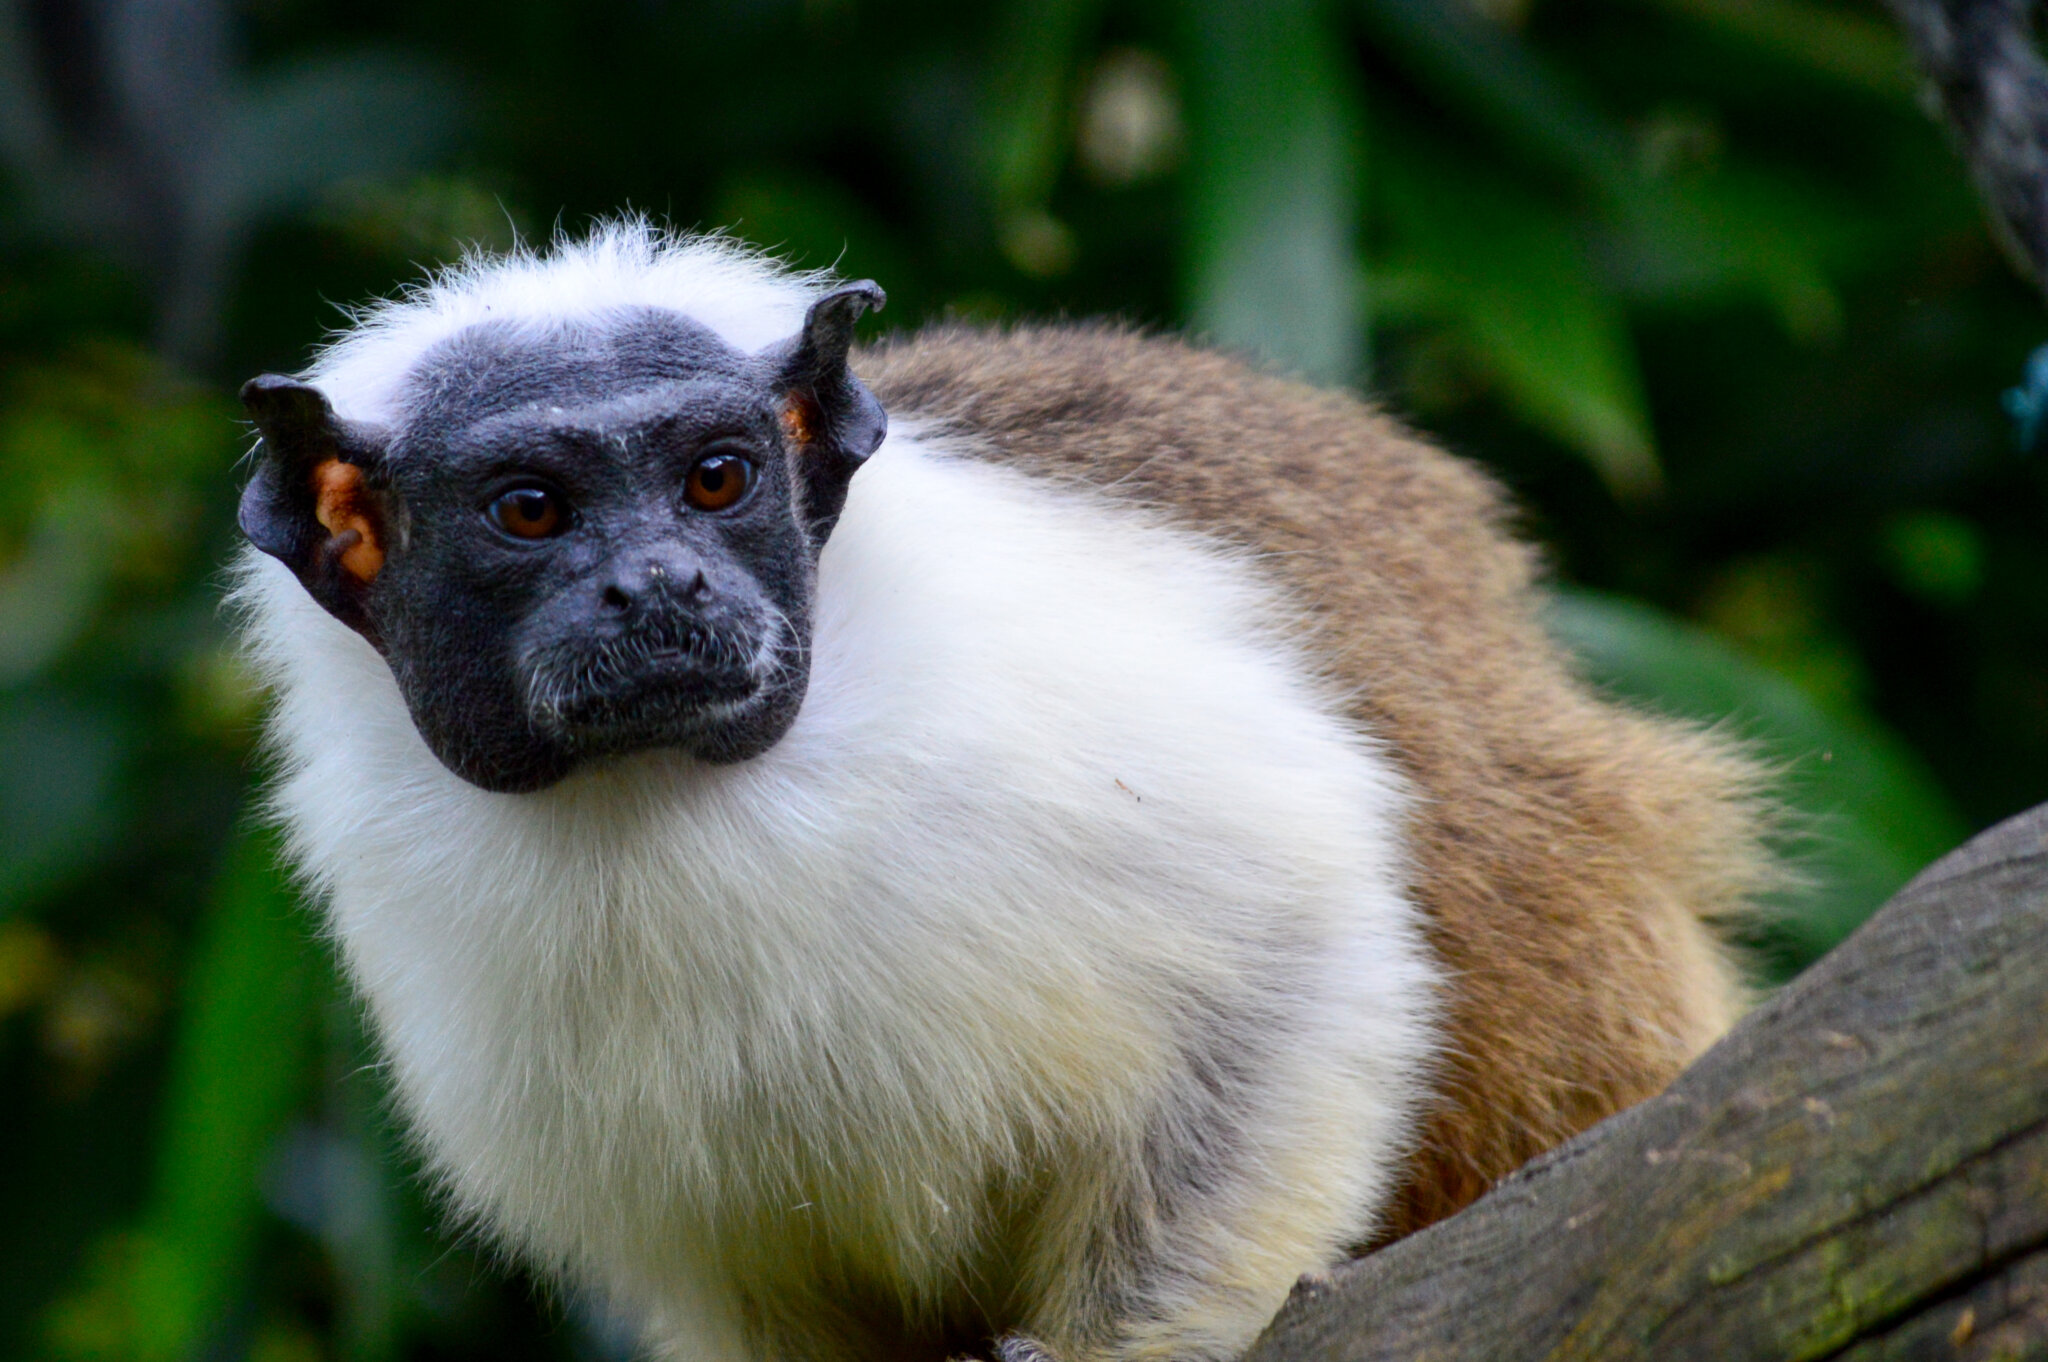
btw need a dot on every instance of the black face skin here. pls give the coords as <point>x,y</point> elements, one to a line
<point>587,543</point>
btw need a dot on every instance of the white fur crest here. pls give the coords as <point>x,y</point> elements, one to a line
<point>743,296</point>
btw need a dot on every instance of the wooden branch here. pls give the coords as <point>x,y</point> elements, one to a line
<point>1858,1171</point>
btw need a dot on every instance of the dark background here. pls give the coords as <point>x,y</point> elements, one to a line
<point>1697,278</point>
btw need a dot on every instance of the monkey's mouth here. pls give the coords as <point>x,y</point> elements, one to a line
<point>665,682</point>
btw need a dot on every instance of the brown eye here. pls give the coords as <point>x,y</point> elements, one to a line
<point>529,512</point>
<point>717,482</point>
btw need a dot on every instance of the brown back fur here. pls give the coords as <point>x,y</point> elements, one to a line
<point>1567,850</point>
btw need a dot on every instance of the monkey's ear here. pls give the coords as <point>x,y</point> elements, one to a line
<point>316,501</point>
<point>832,420</point>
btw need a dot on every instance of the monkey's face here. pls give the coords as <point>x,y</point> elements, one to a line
<point>578,544</point>
<point>602,551</point>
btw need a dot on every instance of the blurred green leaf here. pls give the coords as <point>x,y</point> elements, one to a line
<point>1936,555</point>
<point>1026,115</point>
<point>105,454</point>
<point>1273,185</point>
<point>429,219</point>
<point>1738,231</point>
<point>239,1068</point>
<point>1856,49</point>
<point>1038,45</point>
<point>1485,73</point>
<point>1508,273</point>
<point>50,592</point>
<point>1720,234</point>
<point>61,795</point>
<point>816,224</point>
<point>1867,814</point>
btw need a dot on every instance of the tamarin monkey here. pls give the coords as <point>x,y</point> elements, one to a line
<point>1013,844</point>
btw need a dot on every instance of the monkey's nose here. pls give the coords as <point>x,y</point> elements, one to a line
<point>634,585</point>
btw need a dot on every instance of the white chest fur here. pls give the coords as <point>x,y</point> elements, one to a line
<point>1060,817</point>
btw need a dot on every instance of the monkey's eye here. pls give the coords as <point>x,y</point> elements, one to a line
<point>530,513</point>
<point>717,481</point>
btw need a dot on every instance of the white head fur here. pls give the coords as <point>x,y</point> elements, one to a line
<point>742,295</point>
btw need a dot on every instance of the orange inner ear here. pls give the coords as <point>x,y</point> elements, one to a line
<point>798,418</point>
<point>342,508</point>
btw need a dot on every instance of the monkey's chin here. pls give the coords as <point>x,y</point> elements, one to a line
<point>716,717</point>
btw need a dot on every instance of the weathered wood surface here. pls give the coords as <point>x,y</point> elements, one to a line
<point>1859,1171</point>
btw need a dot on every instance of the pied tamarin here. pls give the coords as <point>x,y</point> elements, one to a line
<point>1013,843</point>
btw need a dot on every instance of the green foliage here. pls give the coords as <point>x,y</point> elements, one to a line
<point>107,453</point>
<point>1509,277</point>
<point>1696,277</point>
<point>1272,192</point>
<point>237,1072</point>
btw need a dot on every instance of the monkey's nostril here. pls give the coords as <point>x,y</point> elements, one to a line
<point>698,588</point>
<point>616,597</point>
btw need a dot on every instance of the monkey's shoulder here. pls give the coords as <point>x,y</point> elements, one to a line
<point>1262,458</point>
<point>1401,552</point>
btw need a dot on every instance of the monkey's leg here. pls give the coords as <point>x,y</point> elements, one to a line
<point>1184,1249</point>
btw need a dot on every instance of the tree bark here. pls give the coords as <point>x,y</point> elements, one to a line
<point>1858,1171</point>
